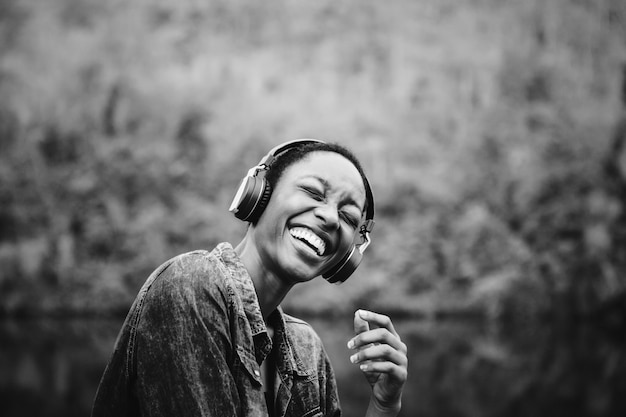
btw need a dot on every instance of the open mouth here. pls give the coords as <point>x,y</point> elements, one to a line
<point>311,239</point>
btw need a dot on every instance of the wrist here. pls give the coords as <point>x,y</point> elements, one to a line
<point>386,409</point>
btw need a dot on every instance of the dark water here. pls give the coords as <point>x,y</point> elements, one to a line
<point>52,367</point>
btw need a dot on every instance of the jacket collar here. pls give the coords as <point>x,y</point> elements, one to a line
<point>287,358</point>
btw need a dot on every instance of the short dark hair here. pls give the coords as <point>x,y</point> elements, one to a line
<point>296,154</point>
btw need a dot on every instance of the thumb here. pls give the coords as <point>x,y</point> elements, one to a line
<point>360,325</point>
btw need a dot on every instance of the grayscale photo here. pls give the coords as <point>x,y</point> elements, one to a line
<point>292,208</point>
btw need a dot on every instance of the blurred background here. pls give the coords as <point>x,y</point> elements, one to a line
<point>493,133</point>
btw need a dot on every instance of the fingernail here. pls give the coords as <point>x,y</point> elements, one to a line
<point>363,314</point>
<point>363,367</point>
<point>351,344</point>
<point>353,358</point>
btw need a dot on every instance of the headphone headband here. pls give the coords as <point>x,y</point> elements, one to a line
<point>284,147</point>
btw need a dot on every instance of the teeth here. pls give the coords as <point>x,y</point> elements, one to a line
<point>309,237</point>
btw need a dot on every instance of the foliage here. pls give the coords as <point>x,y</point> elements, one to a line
<point>485,127</point>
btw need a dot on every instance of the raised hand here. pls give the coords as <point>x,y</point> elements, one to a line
<point>382,357</point>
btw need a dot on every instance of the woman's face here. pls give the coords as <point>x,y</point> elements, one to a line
<point>311,218</point>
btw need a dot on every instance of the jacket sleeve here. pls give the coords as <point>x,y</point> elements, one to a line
<point>183,351</point>
<point>331,396</point>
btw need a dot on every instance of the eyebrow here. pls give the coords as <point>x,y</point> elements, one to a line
<point>326,184</point>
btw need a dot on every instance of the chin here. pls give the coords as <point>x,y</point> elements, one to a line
<point>298,274</point>
<point>298,269</point>
<point>299,277</point>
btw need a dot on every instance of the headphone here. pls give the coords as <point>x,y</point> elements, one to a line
<point>254,192</point>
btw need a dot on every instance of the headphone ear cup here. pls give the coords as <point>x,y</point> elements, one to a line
<point>345,267</point>
<point>264,193</point>
<point>251,198</point>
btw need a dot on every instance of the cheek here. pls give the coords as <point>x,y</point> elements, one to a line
<point>272,222</point>
<point>348,237</point>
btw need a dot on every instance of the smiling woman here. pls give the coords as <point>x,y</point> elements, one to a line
<point>318,201</point>
<point>206,334</point>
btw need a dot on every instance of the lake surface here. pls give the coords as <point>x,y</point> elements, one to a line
<point>457,368</point>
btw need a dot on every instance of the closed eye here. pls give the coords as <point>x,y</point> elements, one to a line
<point>316,194</point>
<point>350,219</point>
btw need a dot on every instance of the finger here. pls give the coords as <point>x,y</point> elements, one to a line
<point>398,373</point>
<point>360,325</point>
<point>380,320</point>
<point>377,337</point>
<point>380,353</point>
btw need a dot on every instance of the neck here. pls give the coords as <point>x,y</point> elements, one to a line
<point>270,289</point>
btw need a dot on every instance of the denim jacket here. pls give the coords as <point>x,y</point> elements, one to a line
<point>192,345</point>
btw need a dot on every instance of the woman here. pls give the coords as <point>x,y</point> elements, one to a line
<point>206,335</point>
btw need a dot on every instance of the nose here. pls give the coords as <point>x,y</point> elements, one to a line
<point>329,215</point>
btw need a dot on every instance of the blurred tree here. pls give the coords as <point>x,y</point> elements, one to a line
<point>485,127</point>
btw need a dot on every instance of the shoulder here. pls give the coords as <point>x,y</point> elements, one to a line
<point>302,332</point>
<point>189,262</point>
<point>189,276</point>
<point>190,267</point>
<point>291,320</point>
